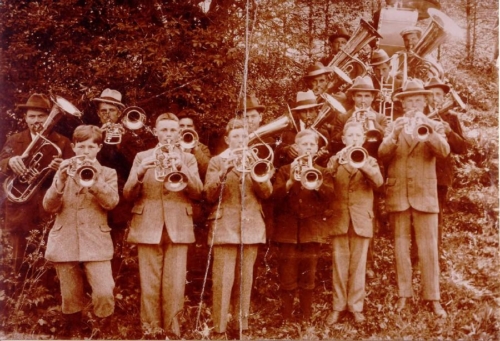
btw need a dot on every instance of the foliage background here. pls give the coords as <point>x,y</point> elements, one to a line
<point>170,55</point>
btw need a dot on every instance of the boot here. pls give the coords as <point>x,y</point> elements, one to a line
<point>306,297</point>
<point>72,325</point>
<point>286,304</point>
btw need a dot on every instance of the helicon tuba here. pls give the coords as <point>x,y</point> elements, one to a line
<point>346,59</point>
<point>38,156</point>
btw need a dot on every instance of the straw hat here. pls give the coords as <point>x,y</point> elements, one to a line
<point>413,86</point>
<point>110,96</point>
<point>305,100</point>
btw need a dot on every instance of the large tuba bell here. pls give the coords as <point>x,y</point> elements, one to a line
<point>346,59</point>
<point>39,154</point>
<point>272,128</point>
<point>166,170</point>
<point>440,28</point>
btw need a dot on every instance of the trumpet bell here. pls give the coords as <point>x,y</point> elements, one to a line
<point>262,171</point>
<point>422,132</point>
<point>357,157</point>
<point>134,118</point>
<point>189,139</point>
<point>86,176</point>
<point>311,179</point>
<point>66,106</point>
<point>175,181</point>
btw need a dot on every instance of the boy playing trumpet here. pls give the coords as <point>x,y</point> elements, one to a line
<point>352,221</point>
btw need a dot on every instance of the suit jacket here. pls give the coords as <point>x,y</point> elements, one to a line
<point>156,207</point>
<point>445,167</point>
<point>301,215</point>
<point>411,170</point>
<point>81,232</point>
<point>26,216</point>
<point>234,220</point>
<point>353,199</point>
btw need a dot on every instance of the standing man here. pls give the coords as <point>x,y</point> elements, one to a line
<point>445,167</point>
<point>411,193</point>
<point>337,41</point>
<point>162,227</point>
<point>21,218</point>
<point>119,157</point>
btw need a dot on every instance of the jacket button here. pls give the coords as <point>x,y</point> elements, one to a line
<point>300,201</point>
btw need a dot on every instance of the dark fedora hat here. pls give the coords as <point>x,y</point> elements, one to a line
<point>379,57</point>
<point>412,86</point>
<point>362,84</point>
<point>110,96</point>
<point>36,101</point>
<point>339,32</point>
<point>252,103</point>
<point>317,69</point>
<point>434,82</point>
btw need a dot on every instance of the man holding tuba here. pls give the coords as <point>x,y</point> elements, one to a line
<point>20,218</point>
<point>410,151</point>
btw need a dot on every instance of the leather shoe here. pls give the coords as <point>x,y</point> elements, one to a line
<point>438,309</point>
<point>333,317</point>
<point>401,304</point>
<point>358,317</point>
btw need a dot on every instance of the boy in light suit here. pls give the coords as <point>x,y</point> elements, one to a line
<point>81,233</point>
<point>352,222</point>
<point>162,226</point>
<point>411,191</point>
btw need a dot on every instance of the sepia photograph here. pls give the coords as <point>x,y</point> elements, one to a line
<point>249,170</point>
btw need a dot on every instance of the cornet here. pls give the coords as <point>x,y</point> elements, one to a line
<point>372,134</point>
<point>418,127</point>
<point>166,170</point>
<point>304,171</point>
<point>356,157</point>
<point>189,139</point>
<point>247,160</point>
<point>134,118</point>
<point>82,171</point>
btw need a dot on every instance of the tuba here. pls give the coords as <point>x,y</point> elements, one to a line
<point>309,177</point>
<point>440,28</point>
<point>82,171</point>
<point>280,124</point>
<point>38,156</point>
<point>346,59</point>
<point>166,170</point>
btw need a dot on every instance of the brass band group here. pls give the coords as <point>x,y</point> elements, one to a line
<point>362,133</point>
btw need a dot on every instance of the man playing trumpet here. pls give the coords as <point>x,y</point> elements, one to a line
<point>352,221</point>
<point>410,152</point>
<point>162,224</point>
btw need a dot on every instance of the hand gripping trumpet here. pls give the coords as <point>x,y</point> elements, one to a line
<point>355,156</point>
<point>372,134</point>
<point>82,171</point>
<point>167,170</point>
<point>418,127</point>
<point>249,160</point>
<point>304,171</point>
<point>134,118</point>
<point>38,156</point>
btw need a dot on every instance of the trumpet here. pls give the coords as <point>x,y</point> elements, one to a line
<point>356,157</point>
<point>452,99</point>
<point>304,171</point>
<point>189,139</point>
<point>82,171</point>
<point>166,170</point>
<point>372,134</point>
<point>248,160</point>
<point>134,118</point>
<point>418,127</point>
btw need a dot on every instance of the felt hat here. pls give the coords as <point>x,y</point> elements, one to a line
<point>36,101</point>
<point>252,103</point>
<point>434,82</point>
<point>411,29</point>
<point>379,57</point>
<point>305,100</point>
<point>339,31</point>
<point>110,96</point>
<point>362,84</point>
<point>411,87</point>
<point>317,69</point>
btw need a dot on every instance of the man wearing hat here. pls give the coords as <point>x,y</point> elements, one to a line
<point>20,218</point>
<point>411,36</point>
<point>321,79</point>
<point>362,93</point>
<point>445,167</point>
<point>119,157</point>
<point>411,192</point>
<point>380,63</point>
<point>337,41</point>
<point>304,113</point>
